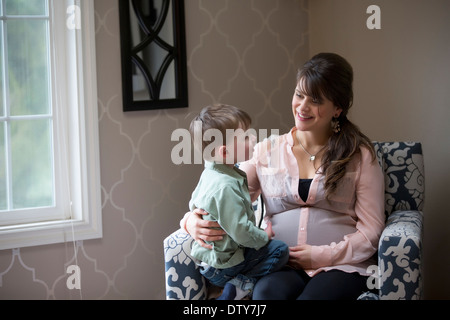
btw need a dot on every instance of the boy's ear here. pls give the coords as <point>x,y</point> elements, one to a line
<point>222,152</point>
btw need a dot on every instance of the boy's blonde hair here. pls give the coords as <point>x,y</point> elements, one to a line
<point>220,117</point>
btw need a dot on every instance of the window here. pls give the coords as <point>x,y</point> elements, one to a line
<point>49,162</point>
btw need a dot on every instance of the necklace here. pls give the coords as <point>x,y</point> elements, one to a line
<point>312,157</point>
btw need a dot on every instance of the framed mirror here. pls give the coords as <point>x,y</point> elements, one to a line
<point>153,49</point>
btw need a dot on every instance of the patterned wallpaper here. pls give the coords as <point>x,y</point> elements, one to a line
<point>239,52</point>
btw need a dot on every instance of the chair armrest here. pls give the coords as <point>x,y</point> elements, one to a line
<point>399,256</point>
<point>183,279</point>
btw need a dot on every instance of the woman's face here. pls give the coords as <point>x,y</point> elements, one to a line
<point>310,114</point>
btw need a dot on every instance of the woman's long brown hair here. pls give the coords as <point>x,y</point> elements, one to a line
<point>331,76</point>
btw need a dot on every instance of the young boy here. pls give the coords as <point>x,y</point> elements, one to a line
<point>246,252</point>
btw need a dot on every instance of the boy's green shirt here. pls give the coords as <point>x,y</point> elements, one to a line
<point>223,192</point>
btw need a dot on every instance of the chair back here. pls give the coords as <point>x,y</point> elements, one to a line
<point>404,175</point>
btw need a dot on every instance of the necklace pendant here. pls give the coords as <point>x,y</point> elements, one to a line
<point>312,158</point>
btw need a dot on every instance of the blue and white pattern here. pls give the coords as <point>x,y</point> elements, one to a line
<point>400,256</point>
<point>400,246</point>
<point>183,280</point>
<point>404,175</point>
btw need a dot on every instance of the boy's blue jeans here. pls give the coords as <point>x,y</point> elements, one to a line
<point>257,263</point>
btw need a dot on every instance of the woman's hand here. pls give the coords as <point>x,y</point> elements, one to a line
<point>269,230</point>
<point>300,257</point>
<point>201,230</point>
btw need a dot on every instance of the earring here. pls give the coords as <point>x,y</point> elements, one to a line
<point>335,125</point>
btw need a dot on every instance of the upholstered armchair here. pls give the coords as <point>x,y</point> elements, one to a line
<point>399,272</point>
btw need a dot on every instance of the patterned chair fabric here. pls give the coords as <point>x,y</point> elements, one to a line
<point>398,275</point>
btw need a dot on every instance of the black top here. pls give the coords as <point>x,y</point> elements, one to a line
<point>303,188</point>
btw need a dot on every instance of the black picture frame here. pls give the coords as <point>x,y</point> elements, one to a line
<point>175,53</point>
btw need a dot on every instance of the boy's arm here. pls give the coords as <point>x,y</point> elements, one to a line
<point>234,219</point>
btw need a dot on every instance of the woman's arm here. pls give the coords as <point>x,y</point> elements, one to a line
<point>235,216</point>
<point>201,230</point>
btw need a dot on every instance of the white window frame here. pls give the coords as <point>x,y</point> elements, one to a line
<point>76,138</point>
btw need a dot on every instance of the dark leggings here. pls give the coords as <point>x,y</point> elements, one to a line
<point>290,284</point>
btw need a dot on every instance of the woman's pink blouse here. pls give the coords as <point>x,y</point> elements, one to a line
<point>344,230</point>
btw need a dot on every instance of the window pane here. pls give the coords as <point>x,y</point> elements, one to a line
<point>3,194</point>
<point>26,7</point>
<point>28,67</point>
<point>32,165</point>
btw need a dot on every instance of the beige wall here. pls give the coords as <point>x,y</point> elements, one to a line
<point>402,82</point>
<point>239,52</point>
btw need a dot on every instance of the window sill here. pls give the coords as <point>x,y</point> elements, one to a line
<point>43,233</point>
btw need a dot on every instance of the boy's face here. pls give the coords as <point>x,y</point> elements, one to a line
<point>242,147</point>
